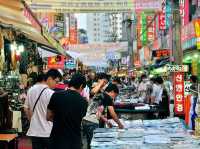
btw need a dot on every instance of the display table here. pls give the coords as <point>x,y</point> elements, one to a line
<point>146,134</point>
<point>7,138</point>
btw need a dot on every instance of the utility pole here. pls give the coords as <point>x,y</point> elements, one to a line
<point>129,23</point>
<point>176,32</point>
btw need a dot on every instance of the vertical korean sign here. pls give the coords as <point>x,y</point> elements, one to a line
<point>197,31</point>
<point>161,17</point>
<point>179,93</point>
<point>144,29</point>
<point>151,28</point>
<point>73,30</point>
<point>139,26</point>
<point>184,11</point>
<point>168,13</point>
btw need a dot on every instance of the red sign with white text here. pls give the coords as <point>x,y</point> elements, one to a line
<point>184,11</point>
<point>161,17</point>
<point>179,93</point>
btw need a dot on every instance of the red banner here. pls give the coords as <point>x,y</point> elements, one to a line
<point>161,17</point>
<point>56,62</point>
<point>184,11</point>
<point>179,93</point>
<point>73,35</point>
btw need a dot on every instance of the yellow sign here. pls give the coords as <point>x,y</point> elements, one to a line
<point>74,6</point>
<point>197,31</point>
<point>53,42</point>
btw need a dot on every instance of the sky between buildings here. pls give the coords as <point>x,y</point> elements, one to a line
<point>82,20</point>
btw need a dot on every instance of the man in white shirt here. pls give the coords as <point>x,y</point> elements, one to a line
<point>35,107</point>
<point>156,96</point>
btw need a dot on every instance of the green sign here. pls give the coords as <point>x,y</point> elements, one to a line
<point>144,29</point>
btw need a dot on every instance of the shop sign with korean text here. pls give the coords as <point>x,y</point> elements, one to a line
<point>151,28</point>
<point>161,17</point>
<point>168,13</point>
<point>179,93</point>
<point>177,68</point>
<point>144,29</point>
<point>148,5</point>
<point>70,64</point>
<point>184,11</point>
<point>139,31</point>
<point>197,31</point>
<point>84,6</point>
<point>161,53</point>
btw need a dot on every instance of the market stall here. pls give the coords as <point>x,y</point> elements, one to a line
<point>130,105</point>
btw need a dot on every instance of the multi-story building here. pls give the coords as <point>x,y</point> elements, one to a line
<point>104,27</point>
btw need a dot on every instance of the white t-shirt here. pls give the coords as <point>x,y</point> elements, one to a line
<point>39,126</point>
<point>157,93</point>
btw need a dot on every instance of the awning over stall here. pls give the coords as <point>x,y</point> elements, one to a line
<point>16,15</point>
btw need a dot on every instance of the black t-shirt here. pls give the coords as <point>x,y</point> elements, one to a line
<point>69,108</point>
<point>106,101</point>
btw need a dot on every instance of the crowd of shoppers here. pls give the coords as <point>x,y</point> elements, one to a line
<point>58,106</point>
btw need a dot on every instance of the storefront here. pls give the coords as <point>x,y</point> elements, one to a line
<point>190,46</point>
<point>20,59</point>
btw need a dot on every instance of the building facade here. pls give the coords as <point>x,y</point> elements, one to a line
<point>104,27</point>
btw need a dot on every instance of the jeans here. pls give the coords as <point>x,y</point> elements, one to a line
<point>88,129</point>
<point>40,143</point>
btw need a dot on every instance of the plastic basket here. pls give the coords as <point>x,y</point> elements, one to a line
<point>197,127</point>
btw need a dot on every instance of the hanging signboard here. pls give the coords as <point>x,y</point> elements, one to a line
<point>143,34</point>
<point>188,35</point>
<point>168,13</point>
<point>161,53</point>
<point>161,17</point>
<point>113,56</point>
<point>70,64</point>
<point>56,62</point>
<point>151,28</point>
<point>184,11</point>
<point>197,31</point>
<point>104,47</point>
<point>179,93</point>
<point>139,31</point>
<point>148,5</point>
<point>177,68</point>
<point>83,6</point>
